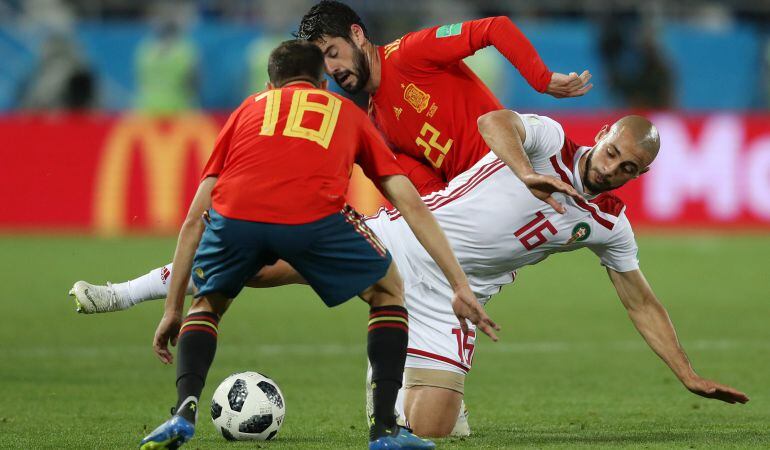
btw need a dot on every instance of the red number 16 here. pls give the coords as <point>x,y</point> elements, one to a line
<point>532,234</point>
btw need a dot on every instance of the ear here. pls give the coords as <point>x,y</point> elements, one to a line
<point>603,132</point>
<point>269,85</point>
<point>357,35</point>
<point>641,172</point>
<point>324,84</point>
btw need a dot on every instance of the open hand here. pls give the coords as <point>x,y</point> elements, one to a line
<point>168,331</point>
<point>542,186</point>
<point>467,307</point>
<point>712,389</point>
<point>572,85</point>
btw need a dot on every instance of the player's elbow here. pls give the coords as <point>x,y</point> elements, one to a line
<point>193,224</point>
<point>502,26</point>
<point>503,20</point>
<point>491,120</point>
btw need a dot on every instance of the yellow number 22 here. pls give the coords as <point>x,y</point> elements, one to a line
<point>434,152</point>
<point>300,104</point>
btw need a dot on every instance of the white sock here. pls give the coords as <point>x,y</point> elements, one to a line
<point>151,286</point>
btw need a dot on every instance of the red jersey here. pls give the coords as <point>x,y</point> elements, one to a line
<point>286,155</point>
<point>428,100</point>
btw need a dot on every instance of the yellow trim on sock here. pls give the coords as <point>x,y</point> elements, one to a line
<point>389,319</point>
<point>200,322</point>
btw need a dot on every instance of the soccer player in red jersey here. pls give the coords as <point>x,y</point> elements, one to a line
<point>274,188</point>
<point>423,98</point>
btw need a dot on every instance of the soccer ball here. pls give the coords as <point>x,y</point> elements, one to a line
<point>248,406</point>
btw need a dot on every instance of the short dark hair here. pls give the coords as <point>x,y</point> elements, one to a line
<point>329,18</point>
<point>295,60</point>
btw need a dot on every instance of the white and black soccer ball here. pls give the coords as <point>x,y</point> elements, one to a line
<point>248,406</point>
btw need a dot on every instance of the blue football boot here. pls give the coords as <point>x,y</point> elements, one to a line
<point>170,435</point>
<point>402,440</point>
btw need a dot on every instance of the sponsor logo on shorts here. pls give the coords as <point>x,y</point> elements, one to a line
<point>164,275</point>
<point>199,273</point>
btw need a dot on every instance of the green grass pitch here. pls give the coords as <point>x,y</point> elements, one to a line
<point>569,371</point>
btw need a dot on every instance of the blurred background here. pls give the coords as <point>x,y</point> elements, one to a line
<point>108,108</point>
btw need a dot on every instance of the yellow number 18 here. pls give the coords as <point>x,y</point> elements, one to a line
<point>300,104</point>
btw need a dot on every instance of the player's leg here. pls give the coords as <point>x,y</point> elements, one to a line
<point>432,400</point>
<point>461,428</point>
<point>347,259</point>
<point>387,339</point>
<point>94,298</point>
<point>438,358</point>
<point>196,347</point>
<point>279,274</point>
<point>229,252</point>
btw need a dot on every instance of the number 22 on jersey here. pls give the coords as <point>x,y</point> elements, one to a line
<point>433,150</point>
<point>300,104</point>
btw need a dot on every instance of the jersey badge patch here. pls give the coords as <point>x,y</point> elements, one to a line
<point>449,30</point>
<point>416,97</point>
<point>580,233</point>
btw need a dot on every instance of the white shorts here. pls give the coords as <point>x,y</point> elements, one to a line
<point>435,338</point>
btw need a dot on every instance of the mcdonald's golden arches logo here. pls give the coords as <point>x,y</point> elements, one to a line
<point>164,145</point>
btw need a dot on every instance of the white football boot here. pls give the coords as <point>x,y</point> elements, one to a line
<point>92,298</point>
<point>461,429</point>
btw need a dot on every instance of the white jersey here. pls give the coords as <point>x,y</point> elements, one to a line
<point>496,226</point>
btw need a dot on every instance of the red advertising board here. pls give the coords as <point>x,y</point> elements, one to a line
<point>117,174</point>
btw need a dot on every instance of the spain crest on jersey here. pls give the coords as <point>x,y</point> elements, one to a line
<point>416,97</point>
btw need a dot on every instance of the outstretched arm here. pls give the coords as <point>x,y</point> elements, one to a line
<point>504,133</point>
<point>449,44</point>
<point>403,195</point>
<point>187,244</point>
<point>651,320</point>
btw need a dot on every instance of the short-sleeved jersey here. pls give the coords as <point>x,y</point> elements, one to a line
<point>496,226</point>
<point>286,155</point>
<point>428,100</point>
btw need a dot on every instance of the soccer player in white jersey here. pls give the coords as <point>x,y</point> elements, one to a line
<point>496,226</point>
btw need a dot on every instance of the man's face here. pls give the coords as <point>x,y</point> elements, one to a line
<point>345,62</point>
<point>615,159</point>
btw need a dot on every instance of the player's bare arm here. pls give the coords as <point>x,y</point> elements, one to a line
<point>400,191</point>
<point>652,321</point>
<point>504,132</point>
<point>187,244</point>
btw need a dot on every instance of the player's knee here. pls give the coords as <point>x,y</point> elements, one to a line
<point>431,427</point>
<point>387,291</point>
<point>212,303</point>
